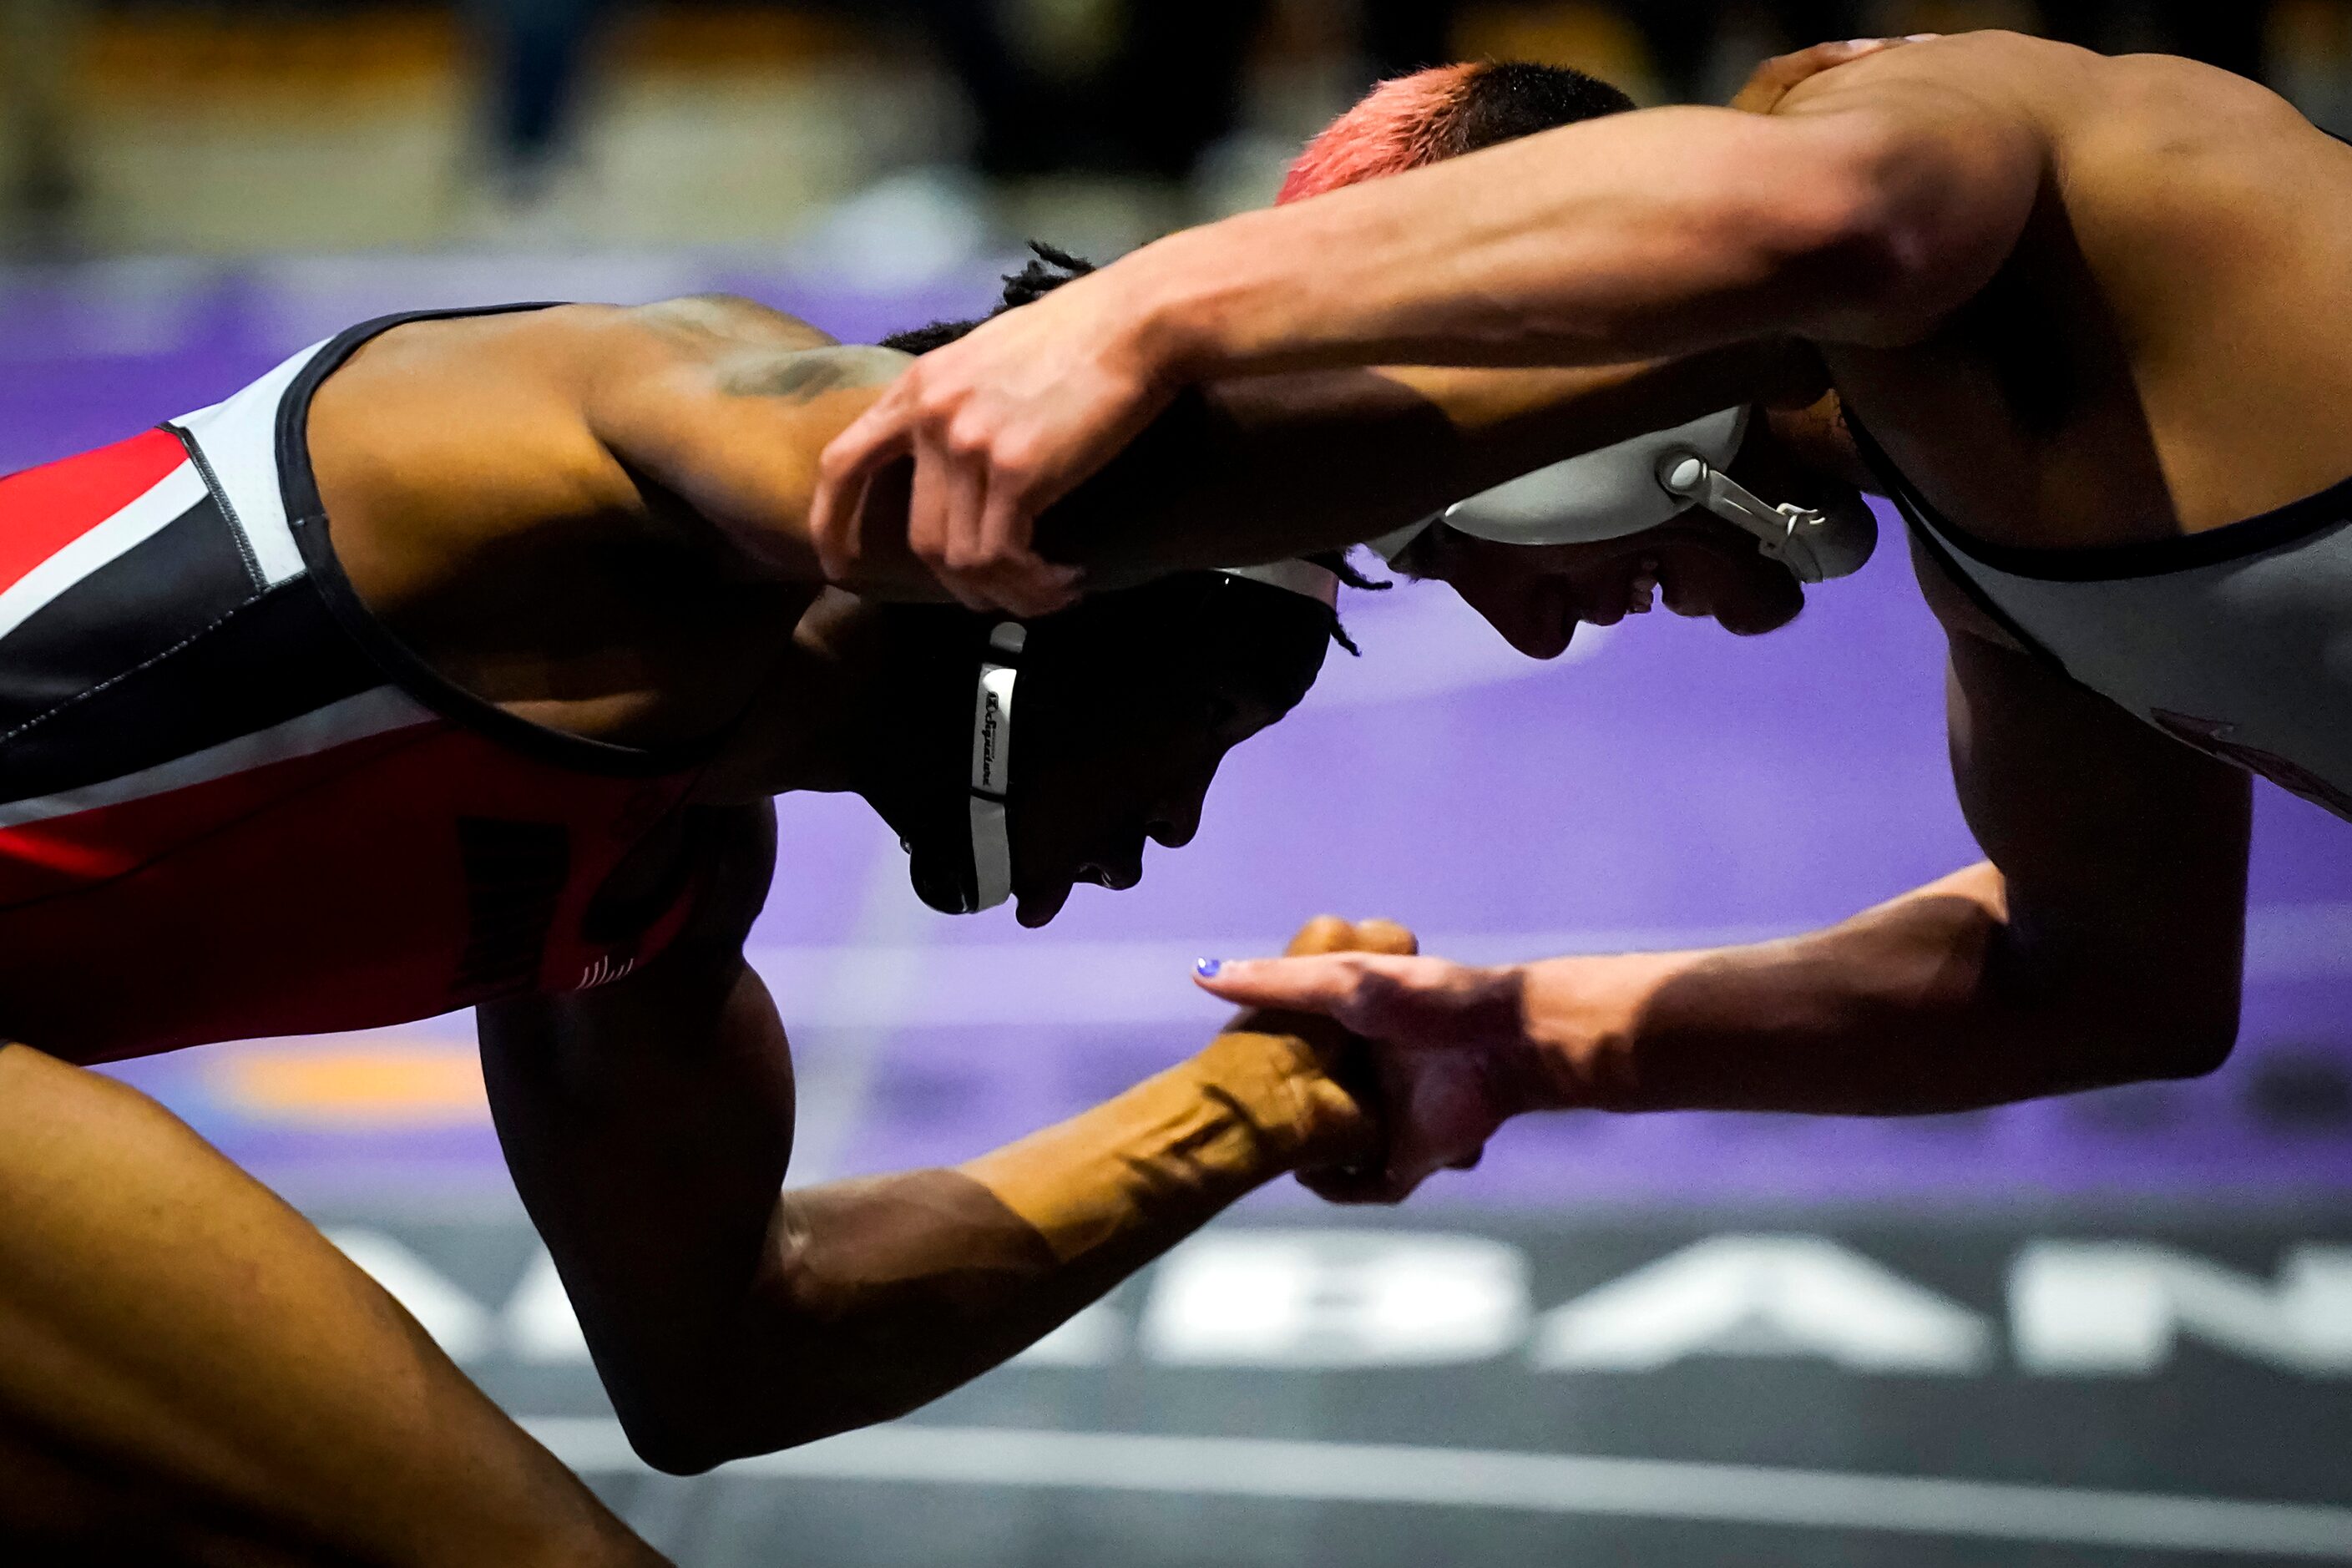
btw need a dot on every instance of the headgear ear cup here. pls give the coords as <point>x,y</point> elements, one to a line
<point>987,880</point>
<point>1601,495</point>
<point>1815,546</point>
<point>1637,485</point>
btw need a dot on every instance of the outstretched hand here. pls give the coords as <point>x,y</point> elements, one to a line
<point>999,425</point>
<point>1445,1041</point>
<point>1777,77</point>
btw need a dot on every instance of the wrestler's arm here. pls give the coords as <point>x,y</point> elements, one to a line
<point>727,407</point>
<point>1872,201</point>
<point>2100,943</point>
<point>1258,468</point>
<point>649,1123</point>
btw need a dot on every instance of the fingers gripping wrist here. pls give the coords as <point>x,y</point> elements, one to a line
<point>1282,1084</point>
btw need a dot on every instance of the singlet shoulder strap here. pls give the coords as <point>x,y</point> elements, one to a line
<point>312,535</point>
<point>1919,516</point>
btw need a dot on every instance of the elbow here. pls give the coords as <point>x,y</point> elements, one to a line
<point>2191,1040</point>
<point>1849,251</point>
<point>2193,1051</point>
<point>2195,1029</point>
<point>684,1425</point>
<point>695,1445</point>
<point>2123,1014</point>
<point>684,1432</point>
<point>1878,238</point>
<point>739,1414</point>
<point>676,1453</point>
<point>695,1449</point>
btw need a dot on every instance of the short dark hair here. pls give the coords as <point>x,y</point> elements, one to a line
<point>1507,100</point>
<point>1412,122</point>
<point>1047,270</point>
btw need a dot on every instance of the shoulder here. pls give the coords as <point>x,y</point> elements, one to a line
<point>1992,62</point>
<point>585,345</point>
<point>740,348</point>
<point>730,318</point>
<point>564,340</point>
<point>800,375</point>
<point>2005,86</point>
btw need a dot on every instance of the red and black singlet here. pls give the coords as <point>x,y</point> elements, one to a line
<point>233,805</point>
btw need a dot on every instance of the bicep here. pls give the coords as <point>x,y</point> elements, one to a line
<point>657,1118</point>
<point>648,1124</point>
<point>2123,852</point>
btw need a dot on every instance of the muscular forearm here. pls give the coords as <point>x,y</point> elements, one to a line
<point>1617,240</point>
<point>1246,470</point>
<point>1261,468</point>
<point>1921,1007</point>
<point>885,1293</point>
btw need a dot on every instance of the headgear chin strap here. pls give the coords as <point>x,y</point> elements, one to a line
<point>1637,485</point>
<point>991,729</point>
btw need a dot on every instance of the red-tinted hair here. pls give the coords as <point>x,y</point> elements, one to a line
<point>1396,126</point>
<point>1444,112</point>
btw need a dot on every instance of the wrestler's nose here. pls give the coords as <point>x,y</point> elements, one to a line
<point>1173,824</point>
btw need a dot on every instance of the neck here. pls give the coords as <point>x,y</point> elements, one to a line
<point>807,730</point>
<point>840,711</point>
<point>1816,440</point>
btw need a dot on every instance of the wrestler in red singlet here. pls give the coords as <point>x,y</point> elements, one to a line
<point>213,758</point>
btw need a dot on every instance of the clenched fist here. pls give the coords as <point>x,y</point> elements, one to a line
<point>1436,1048</point>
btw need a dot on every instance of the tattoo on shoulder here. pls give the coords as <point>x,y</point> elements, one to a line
<point>731,319</point>
<point>806,375</point>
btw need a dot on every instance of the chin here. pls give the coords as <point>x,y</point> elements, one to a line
<point>1035,911</point>
<point>940,892</point>
<point>1755,620</point>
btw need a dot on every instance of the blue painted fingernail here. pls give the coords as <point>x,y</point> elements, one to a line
<point>1207,968</point>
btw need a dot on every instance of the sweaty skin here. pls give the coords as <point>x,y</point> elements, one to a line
<point>2082,300</point>
<point>679,443</point>
<point>2150,350</point>
<point>2011,337</point>
<point>220,1385</point>
<point>589,516</point>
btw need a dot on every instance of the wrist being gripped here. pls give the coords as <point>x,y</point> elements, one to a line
<point>1283,1084</point>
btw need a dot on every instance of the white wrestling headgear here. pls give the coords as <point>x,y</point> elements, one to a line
<point>992,728</point>
<point>1637,485</point>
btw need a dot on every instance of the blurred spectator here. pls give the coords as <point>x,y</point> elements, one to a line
<point>36,48</point>
<point>2220,33</point>
<point>1132,87</point>
<point>535,55</point>
<point>1698,49</point>
<point>1401,36</point>
<point>1086,120</point>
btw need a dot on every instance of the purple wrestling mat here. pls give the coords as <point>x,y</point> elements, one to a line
<point>2100,1332</point>
<point>1663,786</point>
